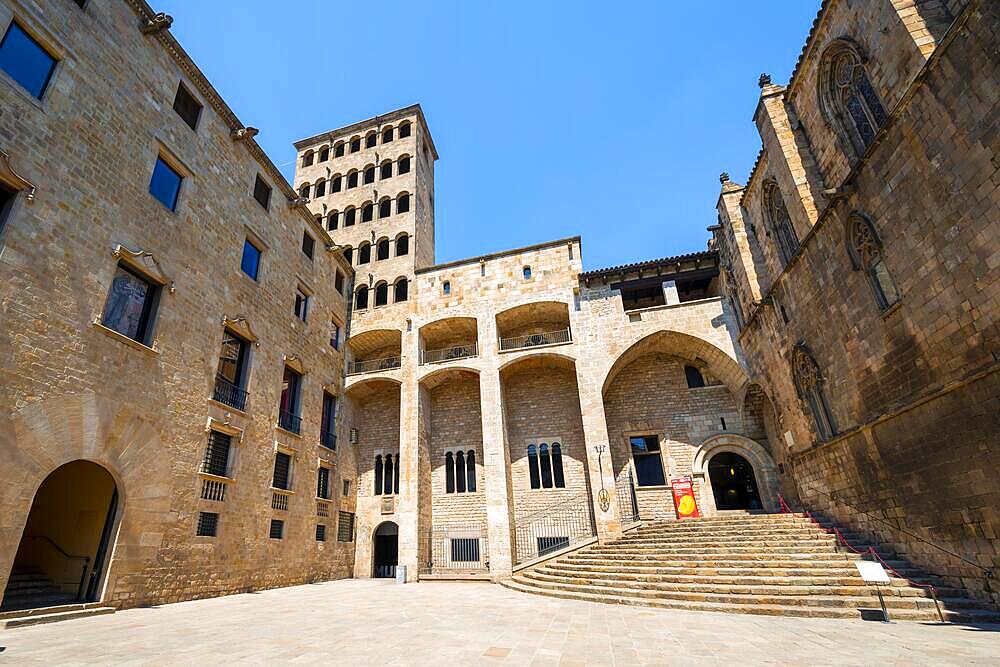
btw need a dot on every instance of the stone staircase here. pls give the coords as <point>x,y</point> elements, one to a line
<point>32,598</point>
<point>773,564</point>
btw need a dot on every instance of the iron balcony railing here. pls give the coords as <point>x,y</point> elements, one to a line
<point>289,421</point>
<point>462,547</point>
<point>328,438</point>
<point>229,394</point>
<point>533,340</point>
<point>387,363</point>
<point>449,353</point>
<point>628,504</point>
<point>556,527</point>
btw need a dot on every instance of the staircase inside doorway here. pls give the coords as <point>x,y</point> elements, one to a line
<point>773,564</point>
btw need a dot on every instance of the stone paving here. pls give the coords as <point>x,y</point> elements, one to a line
<point>364,622</point>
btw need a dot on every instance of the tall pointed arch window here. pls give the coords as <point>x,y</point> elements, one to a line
<point>847,97</point>
<point>777,217</point>
<point>449,473</point>
<point>378,475</point>
<point>809,384</point>
<point>460,472</point>
<point>533,467</point>
<point>865,250</point>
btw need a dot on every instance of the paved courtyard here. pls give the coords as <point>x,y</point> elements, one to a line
<point>358,622</point>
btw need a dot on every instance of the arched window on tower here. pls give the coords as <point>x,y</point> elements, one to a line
<point>336,183</point>
<point>378,474</point>
<point>307,158</point>
<point>338,149</point>
<point>370,139</point>
<point>777,216</point>
<point>381,294</point>
<point>304,190</point>
<point>349,254</point>
<point>545,465</point>
<point>355,144</point>
<point>404,129</point>
<point>350,215</point>
<point>324,154</point>
<point>449,473</point>
<point>460,472</point>
<point>367,212</point>
<point>402,203</point>
<point>352,179</point>
<point>402,245</point>
<point>389,475</point>
<point>385,170</point>
<point>809,384</point>
<point>382,249</point>
<point>361,297</point>
<point>401,290</point>
<point>320,188</point>
<point>864,247</point>
<point>385,208</point>
<point>387,135</point>
<point>364,253</point>
<point>331,220</point>
<point>847,98</point>
<point>369,174</point>
<point>403,165</point>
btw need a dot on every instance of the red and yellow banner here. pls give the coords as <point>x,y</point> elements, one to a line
<point>684,503</point>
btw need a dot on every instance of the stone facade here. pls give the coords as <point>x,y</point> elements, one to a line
<point>907,367</point>
<point>571,399</point>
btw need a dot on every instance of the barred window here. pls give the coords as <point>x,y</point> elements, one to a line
<point>345,527</point>
<point>282,470</point>
<point>320,532</point>
<point>208,524</point>
<point>277,529</point>
<point>323,483</point>
<point>216,460</point>
<point>465,549</point>
<point>550,544</point>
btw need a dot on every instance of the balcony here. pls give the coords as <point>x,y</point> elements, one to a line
<point>534,325</point>
<point>375,350</point>
<point>290,421</point>
<point>449,354</point>
<point>449,339</point>
<point>372,365</point>
<point>229,394</point>
<point>536,339</point>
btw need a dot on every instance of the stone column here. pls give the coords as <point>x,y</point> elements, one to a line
<point>599,465</point>
<point>496,455</point>
<point>408,501</point>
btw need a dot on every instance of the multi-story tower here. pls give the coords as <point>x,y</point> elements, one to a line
<point>371,185</point>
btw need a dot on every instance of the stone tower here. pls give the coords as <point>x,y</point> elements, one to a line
<point>371,185</point>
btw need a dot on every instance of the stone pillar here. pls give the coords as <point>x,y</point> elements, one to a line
<point>496,457</point>
<point>408,513</point>
<point>599,465</point>
<point>670,293</point>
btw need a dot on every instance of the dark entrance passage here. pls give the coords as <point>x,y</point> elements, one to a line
<point>385,552</point>
<point>66,539</point>
<point>733,483</point>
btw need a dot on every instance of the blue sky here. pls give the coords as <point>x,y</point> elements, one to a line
<point>608,120</point>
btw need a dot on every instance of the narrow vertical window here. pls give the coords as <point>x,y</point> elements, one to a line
<point>403,165</point>
<point>460,472</point>
<point>402,203</point>
<point>216,461</point>
<point>401,290</point>
<point>378,474</point>
<point>288,403</point>
<point>387,473</point>
<point>402,245</point>
<point>777,216</point>
<point>369,175</point>
<point>470,475</point>
<point>865,250</point>
<point>809,385</point>
<point>308,244</point>
<point>381,294</point>
<point>404,130</point>
<point>545,464</point>
<point>328,422</point>
<point>395,486</point>
<point>385,171</point>
<point>324,154</point>
<point>323,483</point>
<point>449,473</point>
<point>557,466</point>
<point>533,467</point>
<point>231,375</point>
<point>282,471</point>
<point>262,192</point>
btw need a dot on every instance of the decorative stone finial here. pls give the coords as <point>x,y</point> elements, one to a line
<point>764,80</point>
<point>724,177</point>
<point>244,133</point>
<point>154,25</point>
<point>298,201</point>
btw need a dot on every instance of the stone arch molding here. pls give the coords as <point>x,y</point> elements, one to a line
<point>764,469</point>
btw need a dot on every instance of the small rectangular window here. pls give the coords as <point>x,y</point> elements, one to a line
<point>334,335</point>
<point>216,461</point>
<point>186,106</point>
<point>208,524</point>
<point>646,457</point>
<point>250,264</point>
<point>338,281</point>
<point>345,527</point>
<point>277,529</point>
<point>262,192</point>
<point>282,470</point>
<point>328,423</point>
<point>301,304</point>
<point>165,184</point>
<point>131,305</point>
<point>347,487</point>
<point>26,61</point>
<point>465,550</point>
<point>323,483</point>
<point>308,244</point>
<point>320,532</point>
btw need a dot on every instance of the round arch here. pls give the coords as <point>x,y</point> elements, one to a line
<point>764,470</point>
<point>537,358</point>
<point>385,550</point>
<point>684,346</point>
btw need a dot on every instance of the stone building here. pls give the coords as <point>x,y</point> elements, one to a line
<point>221,381</point>
<point>862,257</point>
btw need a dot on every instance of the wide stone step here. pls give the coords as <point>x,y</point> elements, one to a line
<point>746,577</point>
<point>807,600</point>
<point>712,542</point>
<point>974,615</point>
<point>713,549</point>
<point>698,556</point>
<point>728,535</point>
<point>27,617</point>
<point>762,586</point>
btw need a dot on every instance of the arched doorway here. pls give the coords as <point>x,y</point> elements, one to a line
<point>66,539</point>
<point>385,551</point>
<point>733,482</point>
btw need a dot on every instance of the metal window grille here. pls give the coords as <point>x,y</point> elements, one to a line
<point>216,460</point>
<point>465,550</point>
<point>550,544</point>
<point>323,483</point>
<point>320,532</point>
<point>277,529</point>
<point>208,524</point>
<point>345,527</point>
<point>282,470</point>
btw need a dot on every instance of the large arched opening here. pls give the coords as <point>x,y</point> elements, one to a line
<point>734,486</point>
<point>67,539</point>
<point>385,550</point>
<point>734,472</point>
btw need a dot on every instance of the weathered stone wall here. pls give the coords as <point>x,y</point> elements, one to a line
<point>74,390</point>
<point>456,424</point>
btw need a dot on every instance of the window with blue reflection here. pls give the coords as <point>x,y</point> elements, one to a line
<point>25,60</point>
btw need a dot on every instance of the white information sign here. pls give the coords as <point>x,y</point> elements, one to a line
<point>871,572</point>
